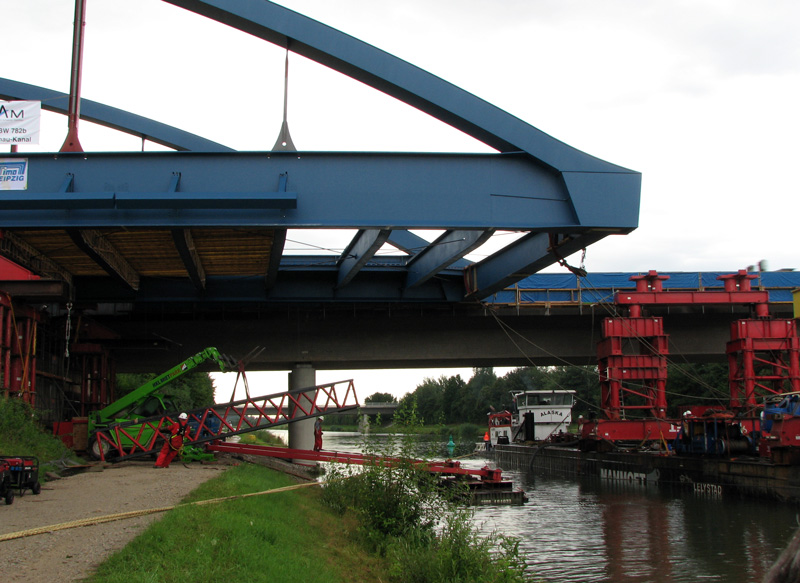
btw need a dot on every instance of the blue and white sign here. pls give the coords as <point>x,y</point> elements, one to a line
<point>19,122</point>
<point>13,173</point>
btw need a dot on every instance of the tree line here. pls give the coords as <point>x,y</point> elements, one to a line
<point>452,400</point>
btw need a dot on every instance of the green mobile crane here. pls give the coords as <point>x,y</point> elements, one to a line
<point>147,401</point>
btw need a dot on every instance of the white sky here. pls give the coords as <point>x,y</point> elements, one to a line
<point>700,96</point>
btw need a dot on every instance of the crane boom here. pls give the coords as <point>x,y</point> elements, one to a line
<point>107,414</point>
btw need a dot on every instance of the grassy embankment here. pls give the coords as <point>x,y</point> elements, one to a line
<point>377,526</point>
<point>286,536</point>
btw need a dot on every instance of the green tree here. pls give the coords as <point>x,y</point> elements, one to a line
<point>583,380</point>
<point>189,391</point>
<point>453,391</point>
<point>381,398</point>
<point>429,399</point>
<point>696,384</point>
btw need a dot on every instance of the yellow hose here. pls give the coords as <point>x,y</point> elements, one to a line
<point>137,513</point>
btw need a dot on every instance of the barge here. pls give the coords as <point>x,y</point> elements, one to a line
<point>704,476</point>
<point>747,447</point>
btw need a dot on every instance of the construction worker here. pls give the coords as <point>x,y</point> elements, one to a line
<point>318,434</point>
<point>174,444</point>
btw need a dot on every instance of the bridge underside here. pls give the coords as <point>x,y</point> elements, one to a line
<point>373,337</point>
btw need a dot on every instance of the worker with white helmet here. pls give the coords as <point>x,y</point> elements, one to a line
<point>174,444</point>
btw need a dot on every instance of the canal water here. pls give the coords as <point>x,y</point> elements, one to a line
<point>599,531</point>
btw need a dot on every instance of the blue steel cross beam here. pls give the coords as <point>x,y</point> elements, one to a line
<point>561,197</point>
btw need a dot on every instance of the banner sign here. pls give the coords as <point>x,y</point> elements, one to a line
<point>13,173</point>
<point>19,122</point>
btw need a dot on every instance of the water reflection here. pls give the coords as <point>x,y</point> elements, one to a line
<point>592,531</point>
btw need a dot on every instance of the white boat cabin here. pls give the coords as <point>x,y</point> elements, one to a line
<point>538,415</point>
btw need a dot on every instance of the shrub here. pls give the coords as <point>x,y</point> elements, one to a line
<point>406,516</point>
<point>21,435</point>
<point>457,553</point>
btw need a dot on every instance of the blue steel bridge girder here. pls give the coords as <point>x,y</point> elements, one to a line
<point>563,198</point>
<point>323,190</point>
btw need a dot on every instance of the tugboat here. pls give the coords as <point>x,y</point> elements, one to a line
<point>541,415</point>
<point>535,416</point>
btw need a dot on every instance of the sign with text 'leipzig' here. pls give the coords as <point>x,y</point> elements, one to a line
<point>19,122</point>
<point>13,173</point>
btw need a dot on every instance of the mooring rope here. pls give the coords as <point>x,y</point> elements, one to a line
<point>137,513</point>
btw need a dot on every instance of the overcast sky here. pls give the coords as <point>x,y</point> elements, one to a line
<point>700,96</point>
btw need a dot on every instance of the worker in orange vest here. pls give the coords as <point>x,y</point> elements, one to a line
<point>487,441</point>
<point>174,444</point>
<point>318,434</point>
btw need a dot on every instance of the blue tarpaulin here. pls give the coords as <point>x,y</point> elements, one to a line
<point>600,287</point>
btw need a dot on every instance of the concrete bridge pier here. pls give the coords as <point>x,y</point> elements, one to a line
<point>301,433</point>
<point>363,423</point>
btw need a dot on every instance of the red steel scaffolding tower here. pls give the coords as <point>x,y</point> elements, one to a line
<point>632,357</point>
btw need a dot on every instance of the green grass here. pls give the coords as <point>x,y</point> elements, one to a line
<point>287,536</point>
<point>262,437</point>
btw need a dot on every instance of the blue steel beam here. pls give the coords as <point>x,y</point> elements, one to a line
<point>360,250</point>
<point>111,117</point>
<point>412,244</point>
<point>520,259</point>
<point>102,252</point>
<point>182,238</point>
<point>329,190</point>
<point>407,242</point>
<point>443,252</point>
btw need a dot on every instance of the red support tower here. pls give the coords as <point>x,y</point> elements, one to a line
<point>18,327</point>
<point>632,358</point>
<point>763,357</point>
<point>632,362</point>
<point>97,374</point>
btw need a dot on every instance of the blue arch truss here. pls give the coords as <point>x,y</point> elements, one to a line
<point>560,198</point>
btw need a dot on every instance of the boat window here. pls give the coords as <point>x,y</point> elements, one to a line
<point>559,399</point>
<point>562,399</point>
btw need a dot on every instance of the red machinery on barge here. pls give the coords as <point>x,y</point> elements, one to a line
<point>750,446</point>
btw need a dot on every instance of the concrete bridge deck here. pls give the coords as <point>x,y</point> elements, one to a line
<point>522,326</point>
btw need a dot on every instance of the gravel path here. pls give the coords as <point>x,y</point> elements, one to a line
<point>70,555</point>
